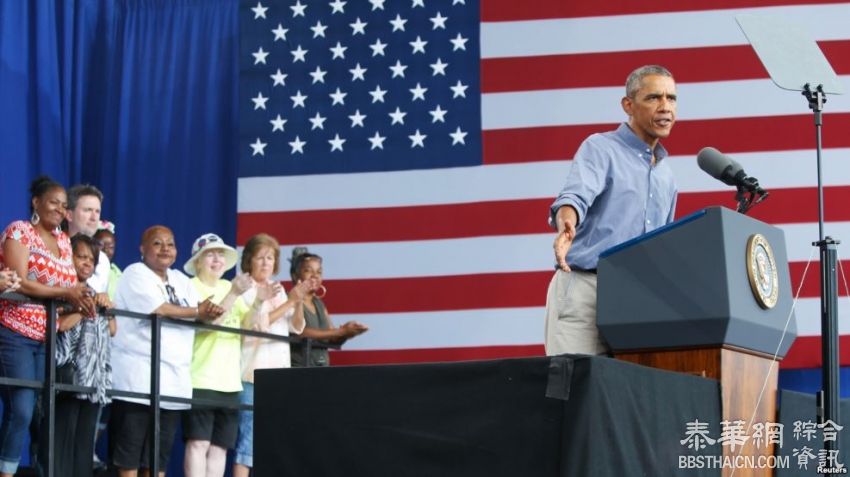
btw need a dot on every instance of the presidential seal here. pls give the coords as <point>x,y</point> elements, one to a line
<point>761,269</point>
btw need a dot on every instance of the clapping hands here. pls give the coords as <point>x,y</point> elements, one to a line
<point>241,283</point>
<point>208,311</point>
<point>9,280</point>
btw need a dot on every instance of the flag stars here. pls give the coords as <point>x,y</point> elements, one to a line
<point>317,121</point>
<point>398,23</point>
<point>439,67</point>
<point>338,97</point>
<point>378,94</point>
<point>397,116</point>
<point>337,6</point>
<point>398,69</point>
<point>358,27</point>
<point>417,139</point>
<point>297,145</point>
<point>260,56</point>
<point>377,141</point>
<point>358,73</point>
<point>259,12</point>
<point>418,92</point>
<point>318,30</point>
<point>377,4</point>
<point>439,21</point>
<point>357,118</point>
<point>258,148</point>
<point>279,78</point>
<point>378,48</point>
<point>277,123</point>
<point>459,42</point>
<point>280,32</point>
<point>418,3</point>
<point>299,54</point>
<point>458,2</point>
<point>459,90</point>
<point>338,51</point>
<point>259,101</point>
<point>418,45</point>
<point>458,136</point>
<point>318,75</point>
<point>336,143</point>
<point>438,114</point>
<point>298,100</point>
<point>298,9</point>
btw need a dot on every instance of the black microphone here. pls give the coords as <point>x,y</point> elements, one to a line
<point>728,171</point>
<point>722,167</point>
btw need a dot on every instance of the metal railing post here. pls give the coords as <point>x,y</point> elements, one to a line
<point>48,398</point>
<point>308,348</point>
<point>156,334</point>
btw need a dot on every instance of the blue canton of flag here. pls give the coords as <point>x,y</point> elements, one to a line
<point>358,86</point>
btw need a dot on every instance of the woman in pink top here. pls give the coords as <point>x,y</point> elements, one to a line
<point>271,311</point>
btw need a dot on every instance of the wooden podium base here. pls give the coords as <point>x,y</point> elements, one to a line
<point>741,373</point>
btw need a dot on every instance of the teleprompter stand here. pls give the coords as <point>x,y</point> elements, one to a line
<point>796,63</point>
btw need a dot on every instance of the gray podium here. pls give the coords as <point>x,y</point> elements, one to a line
<point>686,285</point>
<point>708,295</point>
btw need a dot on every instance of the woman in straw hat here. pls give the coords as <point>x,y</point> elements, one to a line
<point>211,430</point>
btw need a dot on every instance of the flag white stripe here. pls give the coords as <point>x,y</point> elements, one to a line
<point>681,30</point>
<point>503,326</point>
<point>495,254</point>
<point>775,170</point>
<point>490,327</point>
<point>702,100</point>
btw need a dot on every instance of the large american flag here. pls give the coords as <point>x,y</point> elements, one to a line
<point>417,144</point>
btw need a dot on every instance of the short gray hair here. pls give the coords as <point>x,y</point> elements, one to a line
<point>634,80</point>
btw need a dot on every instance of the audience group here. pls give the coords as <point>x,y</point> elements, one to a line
<point>65,252</point>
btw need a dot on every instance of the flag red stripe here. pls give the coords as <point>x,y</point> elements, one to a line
<point>454,292</point>
<point>806,352</point>
<point>511,10</point>
<point>783,206</point>
<point>464,292</point>
<point>508,217</point>
<point>431,355</point>
<point>593,70</point>
<point>775,133</point>
<point>398,223</point>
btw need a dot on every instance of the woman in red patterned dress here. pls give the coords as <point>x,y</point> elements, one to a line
<point>40,253</point>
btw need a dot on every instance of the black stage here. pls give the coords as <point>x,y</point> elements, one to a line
<point>564,416</point>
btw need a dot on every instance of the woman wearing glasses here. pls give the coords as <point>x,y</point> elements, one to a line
<point>152,287</point>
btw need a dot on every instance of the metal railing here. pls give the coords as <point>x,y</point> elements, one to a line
<point>50,387</point>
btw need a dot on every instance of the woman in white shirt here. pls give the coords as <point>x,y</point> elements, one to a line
<point>152,287</point>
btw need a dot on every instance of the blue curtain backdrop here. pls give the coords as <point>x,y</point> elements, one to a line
<point>138,97</point>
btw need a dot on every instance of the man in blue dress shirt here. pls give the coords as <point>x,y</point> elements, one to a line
<point>619,186</point>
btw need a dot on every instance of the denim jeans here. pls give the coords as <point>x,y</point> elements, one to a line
<point>245,440</point>
<point>22,358</point>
